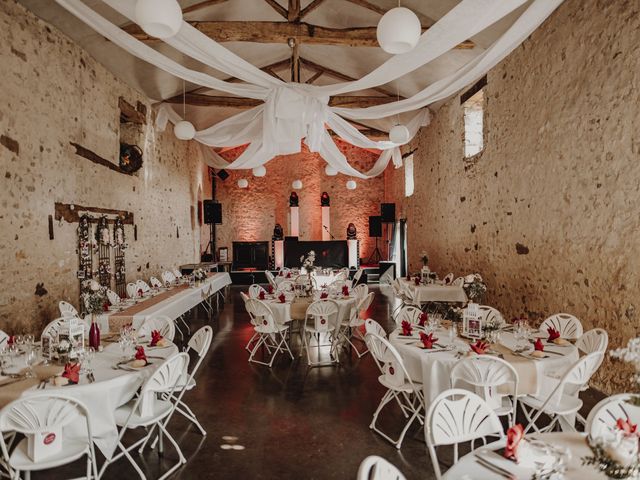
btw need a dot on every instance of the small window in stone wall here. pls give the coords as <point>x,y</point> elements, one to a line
<point>473,114</point>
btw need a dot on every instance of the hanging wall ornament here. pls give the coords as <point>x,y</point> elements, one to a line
<point>243,183</point>
<point>325,200</point>
<point>119,264</point>
<point>351,232</point>
<point>293,199</point>
<point>399,134</point>
<point>103,239</point>
<point>85,268</point>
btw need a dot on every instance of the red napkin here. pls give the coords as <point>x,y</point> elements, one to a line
<point>11,340</point>
<point>416,281</point>
<point>140,355</point>
<point>407,328</point>
<point>447,280</point>
<point>270,289</point>
<point>155,338</point>
<point>281,273</point>
<point>345,290</point>
<point>553,334</point>
<point>140,292</point>
<point>427,340</point>
<point>424,318</point>
<point>514,436</point>
<point>282,298</point>
<point>627,427</point>
<point>480,347</point>
<point>408,277</point>
<point>261,295</point>
<point>105,307</point>
<point>289,275</point>
<point>324,295</point>
<point>538,345</point>
<point>72,372</point>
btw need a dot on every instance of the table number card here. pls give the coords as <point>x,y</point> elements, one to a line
<point>44,444</point>
<point>472,321</point>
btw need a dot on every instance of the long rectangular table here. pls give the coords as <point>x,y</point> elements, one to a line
<point>177,303</point>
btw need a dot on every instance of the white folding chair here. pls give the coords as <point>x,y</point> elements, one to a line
<point>371,326</point>
<point>357,276</point>
<point>562,402</point>
<point>458,282</point>
<point>3,338</point>
<point>113,297</point>
<point>254,291</point>
<point>155,283</point>
<point>360,291</point>
<point>168,278</point>
<point>47,412</point>
<point>162,324</point>
<point>490,314</point>
<point>341,276</point>
<point>595,340</point>
<point>400,387</point>
<point>53,327</point>
<point>132,291</point>
<point>408,313</point>
<point>377,468</point>
<point>67,310</point>
<point>448,279</point>
<point>387,277</point>
<point>270,334</point>
<point>350,328</point>
<point>149,412</point>
<point>568,325</point>
<point>142,285</point>
<point>177,273</point>
<point>271,279</point>
<point>486,374</point>
<point>458,416</point>
<point>604,416</point>
<point>399,293</point>
<point>321,319</point>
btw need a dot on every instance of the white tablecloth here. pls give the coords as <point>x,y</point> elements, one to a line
<point>468,469</point>
<point>433,369</point>
<point>282,311</point>
<point>320,279</point>
<point>177,304</point>
<point>436,293</point>
<point>111,389</point>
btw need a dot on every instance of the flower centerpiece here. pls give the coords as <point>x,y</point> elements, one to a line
<point>490,328</point>
<point>615,451</point>
<point>199,275</point>
<point>307,267</point>
<point>474,287</point>
<point>95,302</point>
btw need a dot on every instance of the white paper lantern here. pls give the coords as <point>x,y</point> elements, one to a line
<point>351,185</point>
<point>297,184</point>
<point>243,183</point>
<point>159,18</point>
<point>330,171</point>
<point>184,130</point>
<point>260,171</point>
<point>398,31</point>
<point>399,134</point>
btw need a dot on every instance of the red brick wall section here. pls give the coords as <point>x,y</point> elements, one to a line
<point>250,214</point>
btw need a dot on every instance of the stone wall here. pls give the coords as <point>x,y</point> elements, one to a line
<point>54,93</point>
<point>250,214</point>
<point>548,213</point>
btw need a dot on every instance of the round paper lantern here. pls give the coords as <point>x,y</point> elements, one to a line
<point>399,134</point>
<point>330,171</point>
<point>398,30</point>
<point>184,130</point>
<point>260,171</point>
<point>351,185</point>
<point>243,183</point>
<point>297,184</point>
<point>159,18</point>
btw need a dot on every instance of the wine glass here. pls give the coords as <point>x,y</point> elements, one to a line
<point>13,353</point>
<point>30,359</point>
<point>29,339</point>
<point>89,355</point>
<point>19,340</point>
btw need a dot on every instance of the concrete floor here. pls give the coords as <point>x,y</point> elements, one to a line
<point>293,422</point>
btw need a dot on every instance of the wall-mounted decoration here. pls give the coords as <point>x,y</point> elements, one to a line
<point>85,254</point>
<point>130,158</point>
<point>324,199</point>
<point>293,199</point>
<point>120,246</point>
<point>223,254</point>
<point>351,232</point>
<point>278,232</point>
<point>103,240</point>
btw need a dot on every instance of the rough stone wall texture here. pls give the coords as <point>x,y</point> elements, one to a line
<point>548,213</point>
<point>54,93</point>
<point>250,214</point>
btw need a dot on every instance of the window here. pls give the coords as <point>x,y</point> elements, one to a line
<point>473,107</point>
<point>408,176</point>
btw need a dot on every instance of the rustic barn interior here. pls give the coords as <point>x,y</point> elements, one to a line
<point>365,221</point>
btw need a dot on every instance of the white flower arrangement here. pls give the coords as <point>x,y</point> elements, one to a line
<point>474,287</point>
<point>308,262</point>
<point>630,354</point>
<point>615,451</point>
<point>199,274</point>
<point>94,297</point>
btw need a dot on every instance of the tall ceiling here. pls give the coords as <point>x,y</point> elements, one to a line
<point>321,61</point>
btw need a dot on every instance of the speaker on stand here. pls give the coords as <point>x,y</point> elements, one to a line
<point>388,216</point>
<point>212,213</point>
<point>375,230</point>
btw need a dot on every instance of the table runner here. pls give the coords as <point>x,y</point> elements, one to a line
<point>11,390</point>
<point>524,367</point>
<point>125,316</point>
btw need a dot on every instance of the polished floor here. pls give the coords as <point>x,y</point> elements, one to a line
<point>288,422</point>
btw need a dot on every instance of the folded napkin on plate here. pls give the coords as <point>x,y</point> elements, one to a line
<point>11,340</point>
<point>480,347</point>
<point>72,372</point>
<point>270,289</point>
<point>553,334</point>
<point>324,295</point>
<point>514,436</point>
<point>416,281</point>
<point>424,318</point>
<point>407,328</point>
<point>538,345</point>
<point>140,353</point>
<point>155,338</point>
<point>626,427</point>
<point>427,340</point>
<point>261,295</point>
<point>282,298</point>
<point>345,290</point>
<point>289,275</point>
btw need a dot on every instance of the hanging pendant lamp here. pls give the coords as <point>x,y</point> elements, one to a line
<point>184,130</point>
<point>398,30</point>
<point>399,134</point>
<point>243,183</point>
<point>260,171</point>
<point>159,18</point>
<point>297,184</point>
<point>351,185</point>
<point>330,171</point>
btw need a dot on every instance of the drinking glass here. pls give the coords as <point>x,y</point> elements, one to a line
<point>29,339</point>
<point>124,347</point>
<point>19,341</point>
<point>89,355</point>
<point>30,358</point>
<point>452,333</point>
<point>13,353</point>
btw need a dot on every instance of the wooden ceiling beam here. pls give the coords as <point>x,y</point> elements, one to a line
<point>315,76</point>
<point>293,12</point>
<point>280,32</point>
<point>200,100</point>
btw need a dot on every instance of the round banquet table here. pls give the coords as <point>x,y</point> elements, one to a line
<point>436,292</point>
<point>433,368</point>
<point>295,308</point>
<point>468,468</point>
<point>112,388</point>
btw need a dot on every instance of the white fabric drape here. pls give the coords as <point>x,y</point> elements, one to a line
<point>294,112</point>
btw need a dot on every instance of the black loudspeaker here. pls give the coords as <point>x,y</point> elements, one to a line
<point>212,212</point>
<point>388,212</point>
<point>223,175</point>
<point>375,226</point>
